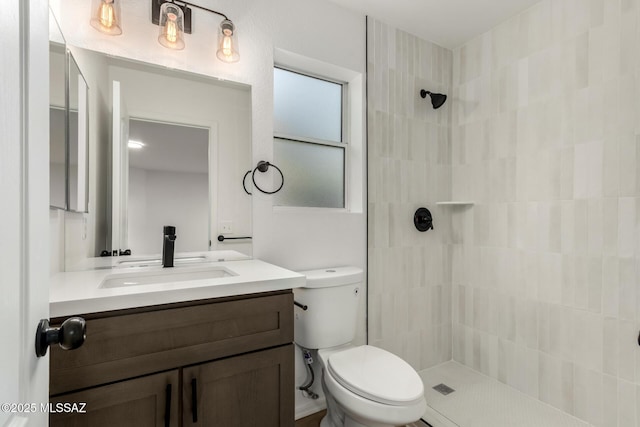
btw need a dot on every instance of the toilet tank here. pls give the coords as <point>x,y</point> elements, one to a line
<point>331,296</point>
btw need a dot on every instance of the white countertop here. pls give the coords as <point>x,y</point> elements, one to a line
<point>79,292</point>
<point>109,262</point>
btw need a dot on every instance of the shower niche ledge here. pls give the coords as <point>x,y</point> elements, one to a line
<point>455,203</point>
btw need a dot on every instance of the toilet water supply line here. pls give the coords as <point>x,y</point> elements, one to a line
<point>308,360</point>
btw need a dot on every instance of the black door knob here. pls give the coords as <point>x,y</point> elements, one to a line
<point>70,335</point>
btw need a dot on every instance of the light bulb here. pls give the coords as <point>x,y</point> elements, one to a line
<point>107,17</point>
<point>227,44</point>
<point>171,30</point>
<point>106,14</point>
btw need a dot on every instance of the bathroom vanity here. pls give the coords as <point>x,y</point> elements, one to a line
<point>225,360</point>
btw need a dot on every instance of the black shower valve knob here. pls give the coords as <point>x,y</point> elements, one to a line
<point>423,220</point>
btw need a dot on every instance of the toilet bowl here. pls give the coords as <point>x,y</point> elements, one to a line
<point>370,387</point>
<point>365,386</point>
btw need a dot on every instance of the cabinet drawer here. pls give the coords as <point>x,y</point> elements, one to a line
<point>135,344</point>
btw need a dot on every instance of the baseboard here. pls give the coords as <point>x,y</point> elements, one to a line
<point>310,407</point>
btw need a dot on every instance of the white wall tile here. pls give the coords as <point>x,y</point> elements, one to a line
<point>610,226</point>
<point>580,392</point>
<point>409,166</point>
<point>542,288</point>
<point>610,280</point>
<point>610,401</point>
<point>627,403</point>
<point>627,288</point>
<point>626,226</point>
<point>627,164</point>
<point>627,334</point>
<point>595,284</point>
<point>610,355</point>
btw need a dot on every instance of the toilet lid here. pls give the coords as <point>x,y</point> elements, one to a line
<point>377,375</point>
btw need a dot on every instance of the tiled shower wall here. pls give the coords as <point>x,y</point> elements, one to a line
<point>545,140</point>
<point>409,153</point>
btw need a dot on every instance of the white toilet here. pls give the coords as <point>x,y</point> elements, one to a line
<point>365,386</point>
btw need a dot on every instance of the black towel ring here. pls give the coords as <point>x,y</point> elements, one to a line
<point>244,178</point>
<point>263,166</point>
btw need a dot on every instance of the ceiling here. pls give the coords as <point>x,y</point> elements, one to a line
<point>169,147</point>
<point>448,23</point>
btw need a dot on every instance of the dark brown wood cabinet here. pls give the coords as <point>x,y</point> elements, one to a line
<point>230,359</point>
<point>240,391</point>
<point>148,401</point>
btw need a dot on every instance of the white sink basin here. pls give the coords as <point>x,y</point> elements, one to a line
<point>166,275</point>
<point>149,262</point>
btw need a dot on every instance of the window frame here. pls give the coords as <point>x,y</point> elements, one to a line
<point>345,131</point>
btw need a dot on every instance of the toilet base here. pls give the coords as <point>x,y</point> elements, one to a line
<point>349,422</point>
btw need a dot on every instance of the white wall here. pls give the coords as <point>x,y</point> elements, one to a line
<point>159,198</point>
<point>316,29</point>
<point>56,240</point>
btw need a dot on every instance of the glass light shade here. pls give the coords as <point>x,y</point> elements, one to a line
<point>227,42</point>
<point>171,26</point>
<point>105,16</point>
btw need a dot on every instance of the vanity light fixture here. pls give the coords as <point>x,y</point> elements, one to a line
<point>106,16</point>
<point>136,145</point>
<point>174,18</point>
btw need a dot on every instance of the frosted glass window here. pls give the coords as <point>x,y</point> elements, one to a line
<point>314,174</point>
<point>306,106</point>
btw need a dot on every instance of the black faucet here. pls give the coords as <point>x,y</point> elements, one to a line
<point>168,245</point>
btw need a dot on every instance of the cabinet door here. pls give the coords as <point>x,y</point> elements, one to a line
<point>150,401</point>
<point>255,389</point>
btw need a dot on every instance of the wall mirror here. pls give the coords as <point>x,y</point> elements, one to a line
<point>168,183</point>
<point>68,127</point>
<point>77,138</point>
<point>178,146</point>
<point>57,118</point>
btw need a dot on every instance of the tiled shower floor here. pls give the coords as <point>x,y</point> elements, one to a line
<point>480,401</point>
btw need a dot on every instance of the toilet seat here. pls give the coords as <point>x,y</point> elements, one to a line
<point>367,411</point>
<point>376,375</point>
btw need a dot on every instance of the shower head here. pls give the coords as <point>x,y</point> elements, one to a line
<point>437,99</point>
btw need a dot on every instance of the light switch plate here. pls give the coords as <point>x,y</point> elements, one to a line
<point>226,226</point>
